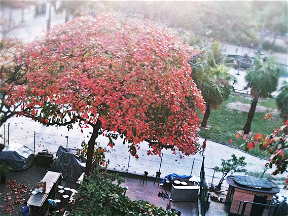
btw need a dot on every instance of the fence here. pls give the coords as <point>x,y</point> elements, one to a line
<point>259,209</point>
<point>29,133</point>
<point>39,141</point>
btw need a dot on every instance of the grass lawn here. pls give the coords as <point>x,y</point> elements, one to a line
<point>224,123</point>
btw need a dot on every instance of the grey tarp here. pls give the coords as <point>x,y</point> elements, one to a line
<point>17,156</point>
<point>67,164</point>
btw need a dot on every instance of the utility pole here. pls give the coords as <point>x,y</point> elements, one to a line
<point>48,15</point>
<point>8,132</point>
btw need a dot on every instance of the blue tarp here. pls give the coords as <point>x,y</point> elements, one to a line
<point>174,175</point>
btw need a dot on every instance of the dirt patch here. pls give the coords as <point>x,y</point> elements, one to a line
<point>245,107</point>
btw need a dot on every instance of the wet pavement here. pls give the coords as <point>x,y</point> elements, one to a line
<point>149,192</point>
<point>136,191</point>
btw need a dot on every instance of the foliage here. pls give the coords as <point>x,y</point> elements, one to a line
<point>212,78</point>
<point>16,4</point>
<point>276,48</point>
<point>262,78</point>
<point>226,121</point>
<point>101,194</point>
<point>230,165</point>
<point>129,77</point>
<point>277,20</point>
<point>98,156</point>
<point>11,73</point>
<point>282,101</point>
<point>4,169</point>
<point>275,144</point>
<point>224,21</point>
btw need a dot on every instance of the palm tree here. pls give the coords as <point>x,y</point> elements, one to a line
<point>262,78</point>
<point>282,101</point>
<point>215,89</point>
<point>212,78</point>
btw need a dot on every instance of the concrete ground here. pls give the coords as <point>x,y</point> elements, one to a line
<point>149,192</point>
<point>136,191</point>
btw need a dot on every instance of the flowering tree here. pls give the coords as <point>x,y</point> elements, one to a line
<point>128,77</point>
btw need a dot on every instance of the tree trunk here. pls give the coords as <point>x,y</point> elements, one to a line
<point>10,16</point>
<point>247,126</point>
<point>66,16</point>
<point>273,44</point>
<point>48,14</point>
<point>36,10</point>
<point>221,180</point>
<point>91,144</point>
<point>22,15</point>
<point>260,44</point>
<point>206,115</point>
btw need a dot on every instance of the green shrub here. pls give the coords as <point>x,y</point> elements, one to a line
<point>102,194</point>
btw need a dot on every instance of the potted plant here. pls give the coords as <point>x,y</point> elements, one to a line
<point>4,169</point>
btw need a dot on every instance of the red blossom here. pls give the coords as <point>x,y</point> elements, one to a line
<point>250,145</point>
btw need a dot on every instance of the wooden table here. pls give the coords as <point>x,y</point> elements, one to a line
<point>52,179</point>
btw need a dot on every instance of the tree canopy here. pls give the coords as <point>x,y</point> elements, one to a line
<point>129,77</point>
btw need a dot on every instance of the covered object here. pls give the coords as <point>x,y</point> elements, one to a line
<point>248,195</point>
<point>67,164</point>
<point>17,156</point>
